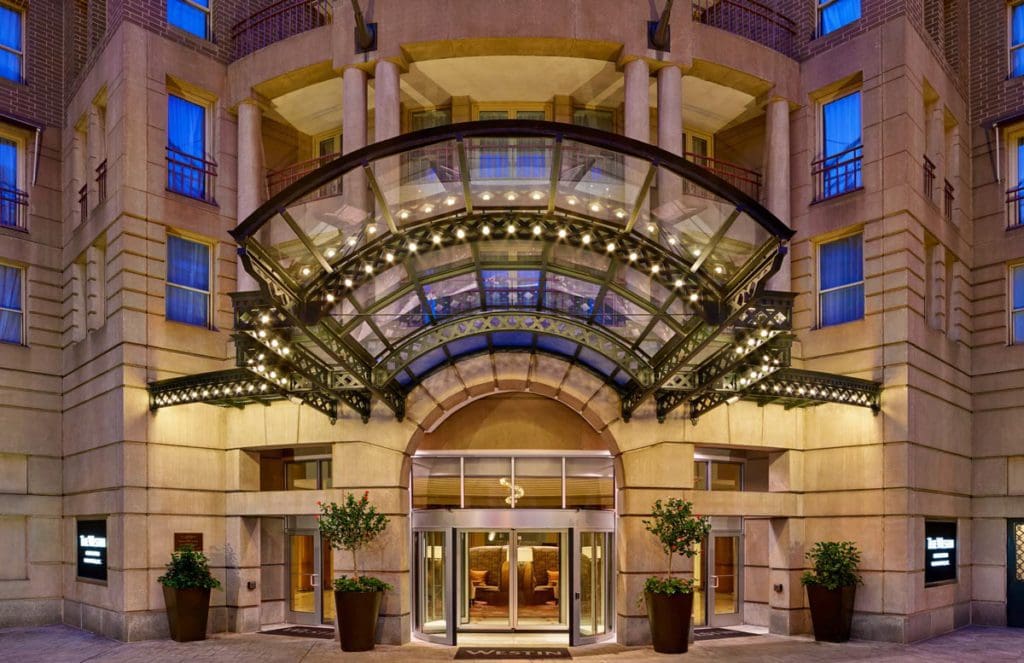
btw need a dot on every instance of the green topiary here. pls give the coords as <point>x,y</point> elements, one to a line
<point>680,532</point>
<point>350,526</point>
<point>188,569</point>
<point>835,565</point>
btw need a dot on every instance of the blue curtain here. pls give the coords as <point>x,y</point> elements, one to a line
<point>188,266</point>
<point>841,125</point>
<point>1017,38</point>
<point>10,304</point>
<point>8,183</point>
<point>10,36</point>
<point>187,17</point>
<point>838,14</point>
<point>186,133</point>
<point>841,264</point>
<point>1018,304</point>
<point>1020,178</point>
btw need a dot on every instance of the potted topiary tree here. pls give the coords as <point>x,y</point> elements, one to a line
<point>669,600</point>
<point>350,526</point>
<point>831,587</point>
<point>187,584</point>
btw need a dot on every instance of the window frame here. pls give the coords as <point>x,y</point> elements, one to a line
<point>21,163</point>
<point>709,462</point>
<point>822,5</point>
<point>22,297</point>
<point>1010,46</point>
<point>20,54</point>
<point>1012,142</point>
<point>209,147</point>
<point>211,280</point>
<point>818,271</point>
<point>208,11</point>
<point>842,93</point>
<point>1011,337</point>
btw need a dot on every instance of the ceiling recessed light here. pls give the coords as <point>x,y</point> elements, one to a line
<point>371,229</point>
<point>655,269</point>
<point>562,233</point>
<point>369,269</point>
<point>436,238</point>
<point>390,257</point>
<point>537,230</point>
<point>460,233</point>
<point>412,247</point>
<point>511,195</point>
<point>511,229</point>
<point>348,283</point>
<point>595,207</point>
<point>536,195</point>
<point>571,200</point>
<point>330,253</point>
<point>585,239</point>
<point>428,208</point>
<point>633,256</point>
<point>449,201</point>
<point>485,196</point>
<point>330,297</point>
<point>610,247</point>
<point>305,271</point>
<point>403,215</point>
<point>679,283</point>
<point>485,230</point>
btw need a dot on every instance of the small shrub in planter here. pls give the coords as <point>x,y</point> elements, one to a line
<point>187,584</point>
<point>831,588</point>
<point>351,526</point>
<point>669,600</point>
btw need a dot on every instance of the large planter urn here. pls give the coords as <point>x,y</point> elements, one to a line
<point>187,612</point>
<point>831,612</point>
<point>669,617</point>
<point>357,614</point>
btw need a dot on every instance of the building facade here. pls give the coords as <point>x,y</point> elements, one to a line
<point>181,221</point>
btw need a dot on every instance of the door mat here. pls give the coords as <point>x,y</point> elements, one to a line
<point>324,633</point>
<point>497,653</point>
<point>719,633</point>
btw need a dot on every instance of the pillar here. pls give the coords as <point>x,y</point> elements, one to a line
<point>776,178</point>
<point>387,124</point>
<point>79,164</point>
<point>242,566</point>
<point>670,135</point>
<point>936,140</point>
<point>96,151</point>
<point>787,614</point>
<point>637,105</point>
<point>251,182</point>
<point>353,137</point>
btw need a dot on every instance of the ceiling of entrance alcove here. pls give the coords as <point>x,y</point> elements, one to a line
<point>498,79</point>
<point>521,421</point>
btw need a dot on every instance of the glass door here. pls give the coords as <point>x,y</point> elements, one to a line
<point>433,597</point>
<point>1015,573</point>
<point>309,570</point>
<point>717,571</point>
<point>486,589</point>
<point>592,591</point>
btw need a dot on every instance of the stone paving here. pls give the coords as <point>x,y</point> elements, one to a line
<point>61,644</point>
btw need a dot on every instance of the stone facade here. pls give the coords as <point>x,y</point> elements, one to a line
<point>80,441</point>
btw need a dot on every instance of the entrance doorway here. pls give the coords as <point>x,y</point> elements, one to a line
<point>1015,573</point>
<point>718,572</point>
<point>310,594</point>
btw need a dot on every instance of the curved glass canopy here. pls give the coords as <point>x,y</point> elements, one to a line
<point>391,262</point>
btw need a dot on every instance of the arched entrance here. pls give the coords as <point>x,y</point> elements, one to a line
<point>513,523</point>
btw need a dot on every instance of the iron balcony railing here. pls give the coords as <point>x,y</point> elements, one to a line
<point>751,19</point>
<point>947,201</point>
<point>746,180</point>
<point>190,175</point>
<point>838,174</point>
<point>278,180</point>
<point>278,21</point>
<point>929,178</point>
<point>13,207</point>
<point>101,182</point>
<point>83,202</point>
<point>1013,201</point>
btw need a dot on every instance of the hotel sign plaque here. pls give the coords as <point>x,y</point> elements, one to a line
<point>193,540</point>
<point>92,550</point>
<point>940,546</point>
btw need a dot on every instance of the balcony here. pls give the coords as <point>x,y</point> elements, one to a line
<point>101,182</point>
<point>278,21</point>
<point>751,19</point>
<point>929,178</point>
<point>13,207</point>
<point>1013,201</point>
<point>279,180</point>
<point>746,180</point>
<point>838,174</point>
<point>190,175</point>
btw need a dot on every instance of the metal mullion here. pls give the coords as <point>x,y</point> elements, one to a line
<point>852,284</point>
<point>462,482</point>
<point>306,240</point>
<point>654,320</point>
<point>609,274</point>
<point>474,250</point>
<point>715,240</point>
<point>563,482</point>
<point>512,494</point>
<point>420,292</point>
<point>556,171</point>
<point>543,285</point>
<point>467,193</point>
<point>186,287</point>
<point>639,202</point>
<point>362,316</point>
<point>381,201</point>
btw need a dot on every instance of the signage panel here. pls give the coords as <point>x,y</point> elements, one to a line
<point>940,546</point>
<point>193,540</point>
<point>91,548</point>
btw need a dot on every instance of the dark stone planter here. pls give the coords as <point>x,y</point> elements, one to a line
<point>831,612</point>
<point>357,619</point>
<point>187,612</point>
<point>669,617</point>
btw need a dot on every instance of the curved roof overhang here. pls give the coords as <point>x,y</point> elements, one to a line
<point>393,261</point>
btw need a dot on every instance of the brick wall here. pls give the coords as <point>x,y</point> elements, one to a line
<point>993,93</point>
<point>39,96</point>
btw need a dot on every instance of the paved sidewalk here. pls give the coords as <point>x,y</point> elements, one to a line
<point>61,644</point>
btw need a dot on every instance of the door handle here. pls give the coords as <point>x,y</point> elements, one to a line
<point>714,582</point>
<point>314,579</point>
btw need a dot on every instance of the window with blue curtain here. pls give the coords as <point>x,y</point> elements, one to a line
<point>12,43</point>
<point>186,147</point>
<point>495,155</point>
<point>190,15</point>
<point>188,281</point>
<point>842,147</point>
<point>841,280</point>
<point>11,320</point>
<point>834,14</point>
<point>1017,304</point>
<point>1017,39</point>
<point>9,202</point>
<point>1017,218</point>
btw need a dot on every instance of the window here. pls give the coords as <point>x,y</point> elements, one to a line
<point>188,171</point>
<point>841,280</point>
<point>834,14</point>
<point>308,475</point>
<point>1017,39</point>
<point>717,475</point>
<point>188,281</point>
<point>1016,194</point>
<point>839,170</point>
<point>13,201</point>
<point>12,323</point>
<point>190,15</point>
<point>12,53</point>
<point>1017,304</point>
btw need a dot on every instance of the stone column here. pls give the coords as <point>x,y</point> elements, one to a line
<point>353,137</point>
<point>936,139</point>
<point>242,562</point>
<point>251,181</point>
<point>79,164</point>
<point>637,105</point>
<point>670,135</point>
<point>96,150</point>
<point>387,124</point>
<point>776,178</point>
<point>952,168</point>
<point>787,611</point>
